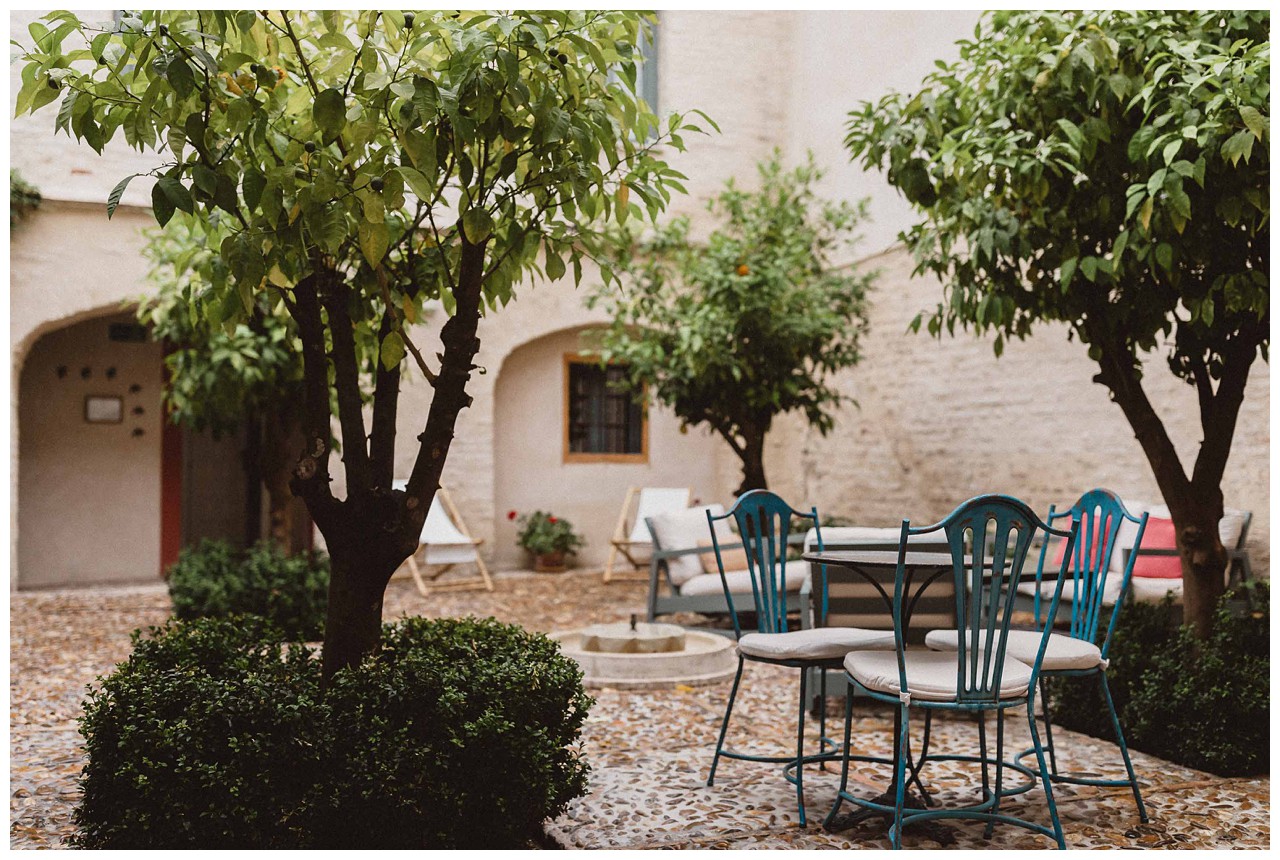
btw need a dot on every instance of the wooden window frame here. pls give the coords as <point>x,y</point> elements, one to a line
<point>640,459</point>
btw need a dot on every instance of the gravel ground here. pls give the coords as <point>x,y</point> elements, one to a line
<point>650,750</point>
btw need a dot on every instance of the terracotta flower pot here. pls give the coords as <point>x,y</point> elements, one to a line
<point>549,562</point>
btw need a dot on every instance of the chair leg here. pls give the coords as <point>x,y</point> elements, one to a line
<point>982,751</point>
<point>844,766</point>
<point>800,750</point>
<point>995,808</point>
<point>417,575</point>
<point>900,778</point>
<point>917,766</point>
<point>1124,749</point>
<point>608,565</point>
<point>1044,776</point>
<point>1048,725</point>
<point>724,726</point>
<point>822,715</point>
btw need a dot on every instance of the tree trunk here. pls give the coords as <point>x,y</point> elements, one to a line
<point>353,623</point>
<point>1204,558</point>
<point>752,455</point>
<point>1195,504</point>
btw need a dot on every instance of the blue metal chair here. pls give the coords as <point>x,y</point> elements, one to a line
<point>1080,651</point>
<point>980,677</point>
<point>764,521</point>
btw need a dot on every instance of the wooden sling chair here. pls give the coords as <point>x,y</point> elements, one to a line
<point>651,501</point>
<point>444,544</point>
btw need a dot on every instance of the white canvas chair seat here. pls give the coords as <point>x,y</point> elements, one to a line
<point>445,543</point>
<point>822,643</point>
<point>651,502</point>
<point>931,675</point>
<point>1062,652</point>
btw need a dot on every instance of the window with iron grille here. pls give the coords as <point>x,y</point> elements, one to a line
<point>602,418</point>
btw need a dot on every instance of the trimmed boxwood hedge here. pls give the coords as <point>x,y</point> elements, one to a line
<point>458,733</point>
<point>1201,704</point>
<point>215,580</point>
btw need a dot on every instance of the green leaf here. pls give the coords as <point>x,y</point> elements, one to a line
<point>392,351</point>
<point>1254,120</point>
<point>177,193</point>
<point>251,187</point>
<point>330,112</point>
<point>161,206</point>
<point>374,239</point>
<point>555,265</point>
<point>477,224</point>
<point>1067,272</point>
<point>1164,256</point>
<point>113,199</point>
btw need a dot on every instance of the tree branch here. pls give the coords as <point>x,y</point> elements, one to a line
<point>460,348</point>
<point>386,395</point>
<point>311,474</point>
<point>1219,422</point>
<point>346,377</point>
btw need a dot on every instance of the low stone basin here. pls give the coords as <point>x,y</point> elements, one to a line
<point>653,656</point>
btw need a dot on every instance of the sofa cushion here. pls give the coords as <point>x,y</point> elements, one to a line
<point>739,582</point>
<point>1159,535</point>
<point>734,559</point>
<point>683,530</point>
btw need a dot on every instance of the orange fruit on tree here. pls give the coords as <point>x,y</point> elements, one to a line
<point>744,270</point>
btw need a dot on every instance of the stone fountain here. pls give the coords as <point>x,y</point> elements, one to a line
<point>639,655</point>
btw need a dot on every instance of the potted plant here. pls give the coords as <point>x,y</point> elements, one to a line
<point>549,538</point>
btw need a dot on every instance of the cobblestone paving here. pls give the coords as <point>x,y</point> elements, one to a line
<point>649,750</point>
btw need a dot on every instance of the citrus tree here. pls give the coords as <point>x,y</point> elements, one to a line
<point>749,325</point>
<point>1109,171</point>
<point>351,166</point>
<point>224,378</point>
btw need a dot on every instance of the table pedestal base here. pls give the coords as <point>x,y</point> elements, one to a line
<point>929,829</point>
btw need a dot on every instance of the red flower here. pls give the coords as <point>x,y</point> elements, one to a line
<point>551,519</point>
<point>511,515</point>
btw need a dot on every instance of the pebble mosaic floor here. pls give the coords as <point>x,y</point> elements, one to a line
<point>649,750</point>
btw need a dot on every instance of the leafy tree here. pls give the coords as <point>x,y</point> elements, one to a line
<point>224,378</point>
<point>23,198</point>
<point>352,166</point>
<point>749,325</point>
<point>1108,171</point>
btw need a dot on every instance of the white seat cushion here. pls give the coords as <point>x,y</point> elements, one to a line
<point>931,675</point>
<point>823,643</point>
<point>739,582</point>
<point>1063,652</point>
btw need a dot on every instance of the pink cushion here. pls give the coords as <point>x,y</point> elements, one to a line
<point>1159,535</point>
<point>1080,539</point>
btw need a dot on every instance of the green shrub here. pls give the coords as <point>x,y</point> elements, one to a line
<point>457,734</point>
<point>202,738</point>
<point>461,735</point>
<point>213,580</point>
<point>1201,704</point>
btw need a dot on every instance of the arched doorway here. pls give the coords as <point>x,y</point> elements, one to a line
<point>108,491</point>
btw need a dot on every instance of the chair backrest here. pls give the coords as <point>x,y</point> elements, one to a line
<point>1101,515</point>
<point>988,538</point>
<point>764,525</point>
<point>654,501</point>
